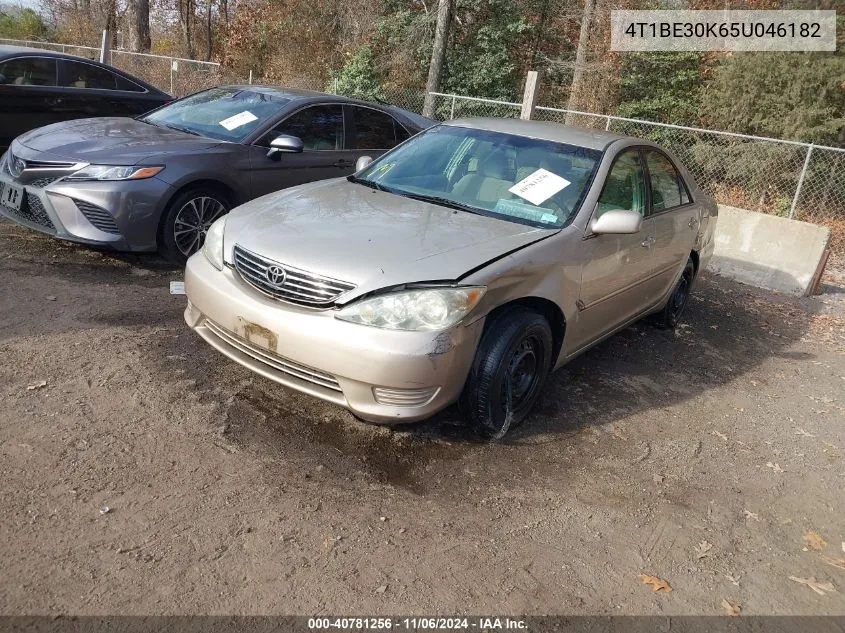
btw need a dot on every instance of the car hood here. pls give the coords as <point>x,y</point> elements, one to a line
<point>110,140</point>
<point>370,238</point>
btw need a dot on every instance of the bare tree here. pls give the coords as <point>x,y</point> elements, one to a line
<point>209,34</point>
<point>580,57</point>
<point>186,14</point>
<point>438,55</point>
<point>139,32</point>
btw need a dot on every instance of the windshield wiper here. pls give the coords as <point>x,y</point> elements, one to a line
<point>372,184</point>
<point>443,202</point>
<point>181,129</point>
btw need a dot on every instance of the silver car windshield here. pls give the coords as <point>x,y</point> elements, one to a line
<point>535,182</point>
<point>226,114</point>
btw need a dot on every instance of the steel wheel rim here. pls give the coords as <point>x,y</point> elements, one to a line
<point>521,376</point>
<point>193,221</point>
<point>679,299</point>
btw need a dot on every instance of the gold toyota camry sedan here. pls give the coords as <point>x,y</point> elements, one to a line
<point>463,266</point>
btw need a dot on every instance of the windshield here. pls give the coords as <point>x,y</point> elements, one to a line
<point>226,114</point>
<point>514,178</point>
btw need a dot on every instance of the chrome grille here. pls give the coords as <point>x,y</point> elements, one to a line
<point>97,216</point>
<point>288,367</point>
<point>297,286</point>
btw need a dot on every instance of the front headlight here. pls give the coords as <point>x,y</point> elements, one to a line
<point>212,248</point>
<point>415,310</point>
<point>115,172</point>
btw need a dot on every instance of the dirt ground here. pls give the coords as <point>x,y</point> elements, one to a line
<point>150,475</point>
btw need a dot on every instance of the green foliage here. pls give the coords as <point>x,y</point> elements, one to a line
<point>661,87</point>
<point>796,96</point>
<point>358,77</point>
<point>21,24</point>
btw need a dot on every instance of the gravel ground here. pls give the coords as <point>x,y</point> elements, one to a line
<point>143,473</point>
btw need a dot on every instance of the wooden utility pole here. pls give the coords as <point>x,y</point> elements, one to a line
<point>438,55</point>
<point>580,58</point>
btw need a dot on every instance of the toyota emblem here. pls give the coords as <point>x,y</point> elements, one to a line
<point>276,275</point>
<point>17,166</point>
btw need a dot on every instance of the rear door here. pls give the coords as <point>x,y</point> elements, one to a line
<point>675,218</point>
<point>92,91</point>
<point>324,155</point>
<point>28,95</point>
<point>617,275</point>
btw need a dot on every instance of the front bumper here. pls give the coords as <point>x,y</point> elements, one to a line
<point>122,215</point>
<point>381,375</point>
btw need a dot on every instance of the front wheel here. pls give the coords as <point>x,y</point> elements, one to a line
<point>671,313</point>
<point>510,367</point>
<point>186,221</point>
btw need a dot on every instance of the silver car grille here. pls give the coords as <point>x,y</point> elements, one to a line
<point>287,283</point>
<point>97,216</point>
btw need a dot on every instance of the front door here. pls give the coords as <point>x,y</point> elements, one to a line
<point>324,154</point>
<point>28,96</point>
<point>617,275</point>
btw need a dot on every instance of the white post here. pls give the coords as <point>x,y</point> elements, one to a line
<point>171,75</point>
<point>250,76</point>
<point>452,113</point>
<point>607,127</point>
<point>529,97</point>
<point>800,182</point>
<point>105,48</point>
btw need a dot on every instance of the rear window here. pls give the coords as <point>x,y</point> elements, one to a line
<point>29,71</point>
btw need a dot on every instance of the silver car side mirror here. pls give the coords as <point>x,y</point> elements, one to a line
<point>284,144</point>
<point>618,222</point>
<point>362,162</point>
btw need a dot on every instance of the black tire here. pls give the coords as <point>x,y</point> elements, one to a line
<point>195,208</point>
<point>670,315</point>
<point>516,346</point>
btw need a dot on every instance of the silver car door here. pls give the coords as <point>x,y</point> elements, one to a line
<point>617,274</point>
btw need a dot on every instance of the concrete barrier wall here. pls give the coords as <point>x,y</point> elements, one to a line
<point>768,251</point>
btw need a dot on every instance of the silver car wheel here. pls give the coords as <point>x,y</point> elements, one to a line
<point>193,221</point>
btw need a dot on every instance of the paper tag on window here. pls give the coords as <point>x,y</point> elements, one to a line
<point>539,186</point>
<point>242,118</point>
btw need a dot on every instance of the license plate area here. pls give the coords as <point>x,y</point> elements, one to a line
<point>12,197</point>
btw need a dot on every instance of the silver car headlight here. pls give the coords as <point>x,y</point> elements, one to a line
<point>212,248</point>
<point>115,172</point>
<point>426,309</point>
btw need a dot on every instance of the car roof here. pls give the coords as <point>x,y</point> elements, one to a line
<point>542,130</point>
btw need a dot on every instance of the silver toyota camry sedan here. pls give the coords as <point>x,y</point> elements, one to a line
<point>463,266</point>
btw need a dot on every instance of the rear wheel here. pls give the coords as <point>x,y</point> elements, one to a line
<point>186,221</point>
<point>510,367</point>
<point>669,317</point>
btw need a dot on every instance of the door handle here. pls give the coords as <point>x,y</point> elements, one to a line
<point>693,223</point>
<point>648,242</point>
<point>344,163</point>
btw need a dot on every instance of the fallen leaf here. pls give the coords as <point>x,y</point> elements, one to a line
<point>814,540</point>
<point>702,549</point>
<point>803,433</point>
<point>839,563</point>
<point>819,587</point>
<point>751,515</point>
<point>381,589</point>
<point>733,579</point>
<point>720,435</point>
<point>774,467</point>
<point>656,583</point>
<point>731,609</point>
<point>37,385</point>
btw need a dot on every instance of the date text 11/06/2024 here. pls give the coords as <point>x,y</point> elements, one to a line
<point>418,624</point>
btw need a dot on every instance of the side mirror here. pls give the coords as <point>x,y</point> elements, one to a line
<point>284,144</point>
<point>363,162</point>
<point>617,223</point>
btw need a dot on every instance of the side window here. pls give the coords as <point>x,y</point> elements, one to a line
<point>667,189</point>
<point>29,71</point>
<point>401,133</point>
<point>80,75</point>
<point>625,185</point>
<point>319,127</point>
<point>373,129</point>
<point>128,86</point>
